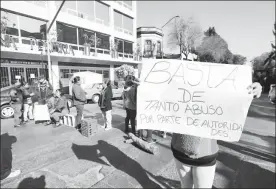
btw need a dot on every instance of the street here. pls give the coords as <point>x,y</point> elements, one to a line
<point>61,157</point>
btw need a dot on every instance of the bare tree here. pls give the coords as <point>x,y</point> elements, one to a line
<point>186,34</point>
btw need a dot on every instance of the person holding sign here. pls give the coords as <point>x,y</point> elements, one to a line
<point>129,100</point>
<point>195,157</point>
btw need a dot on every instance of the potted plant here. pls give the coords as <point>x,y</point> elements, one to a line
<point>86,45</point>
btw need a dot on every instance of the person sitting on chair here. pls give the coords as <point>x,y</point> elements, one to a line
<point>60,107</point>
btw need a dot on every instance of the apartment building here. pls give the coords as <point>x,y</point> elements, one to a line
<point>95,36</point>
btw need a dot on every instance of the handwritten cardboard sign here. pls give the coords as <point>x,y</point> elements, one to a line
<point>194,98</point>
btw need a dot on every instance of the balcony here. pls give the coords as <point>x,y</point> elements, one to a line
<point>125,31</point>
<point>122,3</point>
<point>31,45</point>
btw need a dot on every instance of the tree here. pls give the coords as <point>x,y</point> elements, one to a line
<point>272,54</point>
<point>259,62</point>
<point>124,70</point>
<point>206,57</point>
<point>186,34</point>
<point>238,59</point>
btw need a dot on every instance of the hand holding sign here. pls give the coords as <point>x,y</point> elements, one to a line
<point>199,99</point>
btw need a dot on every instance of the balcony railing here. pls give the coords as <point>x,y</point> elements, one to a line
<point>119,29</point>
<point>37,45</point>
<point>121,3</point>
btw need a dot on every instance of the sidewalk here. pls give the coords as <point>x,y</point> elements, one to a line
<point>67,159</point>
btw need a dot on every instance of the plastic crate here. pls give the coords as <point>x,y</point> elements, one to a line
<point>89,127</point>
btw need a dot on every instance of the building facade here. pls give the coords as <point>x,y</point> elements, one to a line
<point>95,36</point>
<point>150,40</point>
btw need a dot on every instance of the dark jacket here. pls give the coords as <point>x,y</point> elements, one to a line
<point>60,104</point>
<point>194,147</point>
<point>78,93</point>
<point>34,88</point>
<point>105,99</point>
<point>26,95</point>
<point>129,97</point>
<point>16,95</point>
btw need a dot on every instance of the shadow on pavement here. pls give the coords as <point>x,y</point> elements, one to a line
<point>249,151</point>
<point>6,154</point>
<point>253,113</point>
<point>117,159</point>
<point>33,182</point>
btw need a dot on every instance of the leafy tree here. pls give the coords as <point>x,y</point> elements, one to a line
<point>186,34</point>
<point>206,57</point>
<point>124,70</point>
<point>272,54</point>
<point>259,62</point>
<point>238,59</point>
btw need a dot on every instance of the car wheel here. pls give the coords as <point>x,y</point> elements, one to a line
<point>95,98</point>
<point>6,112</point>
<point>70,103</point>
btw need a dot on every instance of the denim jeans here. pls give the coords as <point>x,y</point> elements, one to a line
<point>79,114</point>
<point>130,115</point>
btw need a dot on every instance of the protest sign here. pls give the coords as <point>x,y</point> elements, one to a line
<point>200,99</point>
<point>41,113</point>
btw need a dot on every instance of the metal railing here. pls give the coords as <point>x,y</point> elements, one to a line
<point>119,29</point>
<point>40,45</point>
<point>121,3</point>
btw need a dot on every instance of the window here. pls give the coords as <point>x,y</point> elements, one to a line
<point>102,41</point>
<point>30,27</point>
<point>128,47</point>
<point>69,7</point>
<point>67,34</point>
<point>74,70</point>
<point>64,73</point>
<point>9,21</point>
<point>128,24</point>
<point>86,10</point>
<point>99,71</point>
<point>102,13</point>
<point>118,20</point>
<point>16,71</point>
<point>43,71</point>
<point>30,71</point>
<point>120,45</point>
<point>5,81</point>
<point>90,34</point>
<point>40,3</point>
<point>123,23</point>
<point>159,51</point>
<point>147,50</point>
<point>105,73</point>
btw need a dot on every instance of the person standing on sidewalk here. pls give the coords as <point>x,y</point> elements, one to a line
<point>106,105</point>
<point>44,88</point>
<point>195,157</point>
<point>79,100</point>
<point>129,101</point>
<point>27,103</point>
<point>16,102</point>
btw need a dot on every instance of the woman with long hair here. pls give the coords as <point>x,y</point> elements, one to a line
<point>106,105</point>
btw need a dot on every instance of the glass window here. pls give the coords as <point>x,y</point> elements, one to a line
<point>69,7</point>
<point>99,71</point>
<point>102,41</point>
<point>159,47</point>
<point>16,71</point>
<point>5,81</point>
<point>128,47</point>
<point>86,10</point>
<point>90,34</point>
<point>43,71</point>
<point>128,24</point>
<point>67,34</point>
<point>9,23</point>
<point>74,70</point>
<point>30,71</point>
<point>64,73</point>
<point>147,48</point>
<point>120,45</point>
<point>118,20</point>
<point>30,27</point>
<point>105,73</point>
<point>102,13</point>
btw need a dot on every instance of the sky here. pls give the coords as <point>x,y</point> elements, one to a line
<point>245,25</point>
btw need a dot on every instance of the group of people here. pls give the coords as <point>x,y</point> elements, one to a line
<point>24,95</point>
<point>195,157</point>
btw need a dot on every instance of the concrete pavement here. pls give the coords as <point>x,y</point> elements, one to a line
<point>61,157</point>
